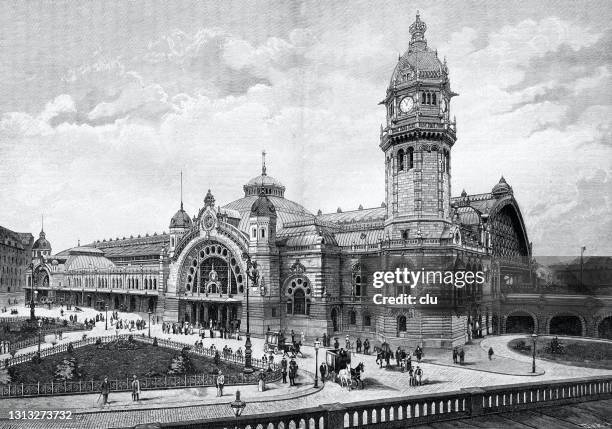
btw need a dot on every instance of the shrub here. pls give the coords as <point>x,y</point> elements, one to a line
<point>70,348</point>
<point>98,341</point>
<point>155,341</point>
<point>65,323</point>
<point>217,357</point>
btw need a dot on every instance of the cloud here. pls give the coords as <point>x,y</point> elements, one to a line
<point>109,148</point>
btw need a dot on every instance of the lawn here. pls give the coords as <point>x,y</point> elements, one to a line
<point>592,354</point>
<point>117,360</point>
<point>15,332</point>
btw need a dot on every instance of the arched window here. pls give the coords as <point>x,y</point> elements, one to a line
<point>263,233</point>
<point>410,158</point>
<point>401,324</point>
<point>367,321</point>
<point>433,98</point>
<point>353,317</point>
<point>423,98</point>
<point>253,232</point>
<point>357,287</point>
<point>298,293</point>
<point>299,302</point>
<point>400,160</point>
<point>428,98</point>
<point>447,163</point>
<point>405,234</point>
<point>154,283</point>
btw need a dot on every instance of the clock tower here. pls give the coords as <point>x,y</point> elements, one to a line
<point>417,142</point>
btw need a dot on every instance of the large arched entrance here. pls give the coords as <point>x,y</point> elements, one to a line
<point>604,329</point>
<point>520,322</point>
<point>565,324</point>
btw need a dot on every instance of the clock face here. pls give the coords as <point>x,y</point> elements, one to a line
<point>406,104</point>
<point>443,105</point>
<point>208,222</point>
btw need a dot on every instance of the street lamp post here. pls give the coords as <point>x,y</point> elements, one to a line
<point>582,249</point>
<point>317,344</point>
<point>534,337</point>
<point>39,331</point>
<point>32,305</point>
<point>150,312</point>
<point>106,317</point>
<point>248,368</point>
<point>237,407</point>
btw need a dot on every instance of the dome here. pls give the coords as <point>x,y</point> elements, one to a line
<point>268,184</point>
<point>286,210</point>
<point>87,258</point>
<point>501,188</point>
<point>180,219</point>
<point>263,206</point>
<point>41,243</point>
<point>419,60</point>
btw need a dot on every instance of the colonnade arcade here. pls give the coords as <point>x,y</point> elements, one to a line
<point>211,284</point>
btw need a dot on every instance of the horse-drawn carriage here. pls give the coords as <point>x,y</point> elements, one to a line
<point>339,365</point>
<point>276,343</point>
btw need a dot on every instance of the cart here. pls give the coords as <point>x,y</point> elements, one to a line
<point>275,342</point>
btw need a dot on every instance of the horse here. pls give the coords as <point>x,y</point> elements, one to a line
<point>381,355</point>
<point>349,375</point>
<point>344,375</point>
<point>295,348</point>
<point>356,374</point>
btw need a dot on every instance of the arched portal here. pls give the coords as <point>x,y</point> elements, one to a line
<point>565,324</point>
<point>604,329</point>
<point>334,318</point>
<point>212,268</point>
<point>520,322</point>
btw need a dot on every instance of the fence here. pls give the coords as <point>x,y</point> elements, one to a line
<point>420,409</point>
<point>166,382</point>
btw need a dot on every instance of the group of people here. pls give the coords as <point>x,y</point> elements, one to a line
<point>105,388</point>
<point>459,355</point>
<point>348,345</point>
<point>290,369</point>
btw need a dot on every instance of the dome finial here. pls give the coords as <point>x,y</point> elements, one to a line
<point>181,189</point>
<point>42,223</point>
<point>417,29</point>
<point>263,162</point>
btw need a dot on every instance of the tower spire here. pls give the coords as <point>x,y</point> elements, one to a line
<point>42,223</point>
<point>263,163</point>
<point>181,189</point>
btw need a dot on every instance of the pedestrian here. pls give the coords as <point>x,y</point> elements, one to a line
<point>324,339</point>
<point>302,338</point>
<point>323,371</point>
<point>261,384</point>
<point>220,383</point>
<point>292,337</point>
<point>358,345</point>
<point>104,391</point>
<point>412,378</point>
<point>461,356</point>
<point>490,353</point>
<point>366,346</point>
<point>397,356</point>
<point>348,343</point>
<point>135,389</point>
<point>336,343</point>
<point>455,354</point>
<point>284,373</point>
<point>419,374</point>
<point>418,353</point>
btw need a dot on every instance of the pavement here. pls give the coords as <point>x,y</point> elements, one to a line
<point>189,404</point>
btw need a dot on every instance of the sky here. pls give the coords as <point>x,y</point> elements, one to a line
<point>103,104</point>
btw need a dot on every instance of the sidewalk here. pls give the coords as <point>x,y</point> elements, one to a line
<point>477,358</point>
